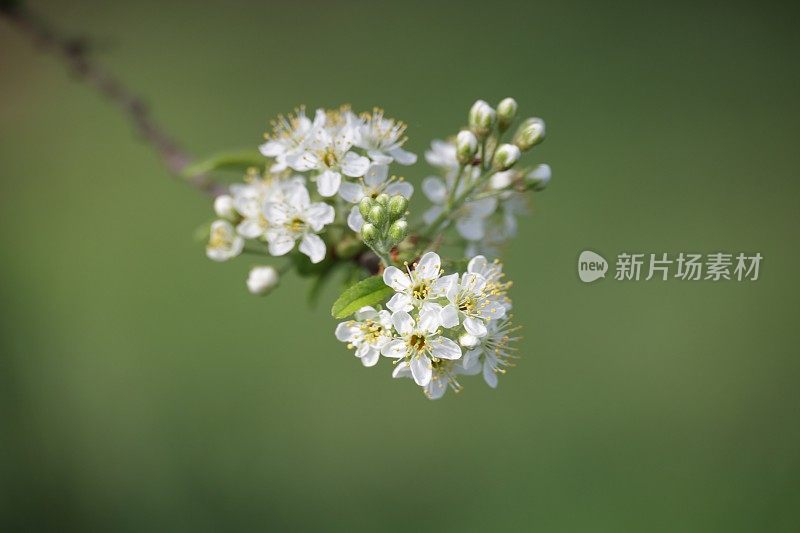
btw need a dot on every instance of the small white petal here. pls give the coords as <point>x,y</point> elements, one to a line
<point>435,189</point>
<point>430,317</point>
<point>280,244</point>
<point>471,228</point>
<point>354,165</point>
<point>475,326</point>
<point>449,316</point>
<point>351,192</point>
<point>250,228</point>
<point>403,157</point>
<point>376,175</point>
<point>400,302</point>
<point>347,331</point>
<point>272,148</point>
<point>478,265</point>
<point>444,348</point>
<point>436,388</point>
<point>355,220</point>
<point>403,322</point>
<point>276,213</point>
<point>365,313</point>
<point>319,214</point>
<point>371,357</point>
<point>421,370</point>
<point>401,370</point>
<point>444,285</point>
<point>489,375</point>
<point>328,183</point>
<point>484,207</point>
<point>396,279</point>
<point>313,246</point>
<point>395,348</point>
<point>431,214</point>
<point>429,266</point>
<point>403,188</point>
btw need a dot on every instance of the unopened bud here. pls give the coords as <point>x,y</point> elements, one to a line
<point>505,156</point>
<point>377,215</point>
<point>382,199</point>
<point>529,134</point>
<point>506,111</point>
<point>364,206</point>
<point>481,119</point>
<point>538,178</point>
<point>397,206</point>
<point>466,146</point>
<point>223,207</point>
<point>502,180</point>
<point>262,280</point>
<point>369,232</point>
<point>398,231</point>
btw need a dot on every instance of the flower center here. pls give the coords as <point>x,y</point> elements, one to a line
<point>468,305</point>
<point>372,331</point>
<point>297,225</point>
<point>417,342</point>
<point>329,158</point>
<point>218,239</point>
<point>420,291</point>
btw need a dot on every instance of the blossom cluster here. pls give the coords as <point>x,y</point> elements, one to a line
<point>322,193</point>
<point>436,327</point>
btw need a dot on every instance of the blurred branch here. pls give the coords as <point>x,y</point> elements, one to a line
<point>75,54</point>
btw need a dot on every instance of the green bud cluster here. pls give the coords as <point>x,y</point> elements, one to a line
<point>384,221</point>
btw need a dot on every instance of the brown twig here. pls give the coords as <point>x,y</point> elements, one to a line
<point>74,52</point>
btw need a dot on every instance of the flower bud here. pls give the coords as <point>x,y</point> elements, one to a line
<point>502,180</point>
<point>506,111</point>
<point>369,232</point>
<point>382,199</point>
<point>397,206</point>
<point>398,231</point>
<point>377,215</point>
<point>538,178</point>
<point>529,134</point>
<point>364,206</point>
<point>481,119</point>
<point>223,207</point>
<point>466,146</point>
<point>505,156</point>
<point>262,280</point>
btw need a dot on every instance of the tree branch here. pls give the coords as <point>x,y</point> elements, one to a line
<point>74,53</point>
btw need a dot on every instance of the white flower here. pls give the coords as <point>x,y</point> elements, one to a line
<point>500,228</point>
<point>375,182</point>
<point>417,287</point>
<point>368,333</point>
<point>420,344</point>
<point>224,208</point>
<point>493,352</point>
<point>249,199</point>
<point>297,218</point>
<point>382,138</point>
<point>328,151</point>
<point>470,218</point>
<point>443,374</point>
<point>223,242</point>
<point>472,301</point>
<point>289,137</point>
<point>443,155</point>
<point>262,280</point>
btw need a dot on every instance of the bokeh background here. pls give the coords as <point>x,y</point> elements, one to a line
<point>143,389</point>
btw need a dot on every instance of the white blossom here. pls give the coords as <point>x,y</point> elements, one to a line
<point>262,280</point>
<point>443,155</point>
<point>368,333</point>
<point>296,218</point>
<point>473,302</point>
<point>223,242</point>
<point>493,353</point>
<point>414,288</point>
<point>224,208</point>
<point>289,137</point>
<point>444,374</point>
<point>382,138</point>
<point>328,150</point>
<point>420,344</point>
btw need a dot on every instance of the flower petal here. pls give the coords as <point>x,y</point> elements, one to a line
<point>489,375</point>
<point>403,157</point>
<point>354,165</point>
<point>403,322</point>
<point>444,348</point>
<point>355,220</point>
<point>421,370</point>
<point>280,243</point>
<point>429,266</point>
<point>376,175</point>
<point>400,302</point>
<point>365,313</point>
<point>401,370</point>
<point>395,348</point>
<point>403,188</point>
<point>347,331</point>
<point>371,357</point>
<point>396,279</point>
<point>475,326</point>
<point>449,316</point>
<point>351,192</point>
<point>435,189</point>
<point>436,388</point>
<point>328,183</point>
<point>471,227</point>
<point>319,214</point>
<point>313,246</point>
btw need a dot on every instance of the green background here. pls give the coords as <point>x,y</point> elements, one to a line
<point>143,389</point>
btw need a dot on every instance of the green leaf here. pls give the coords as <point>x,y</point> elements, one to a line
<point>239,160</point>
<point>367,292</point>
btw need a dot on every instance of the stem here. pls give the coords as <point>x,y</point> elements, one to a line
<point>74,53</point>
